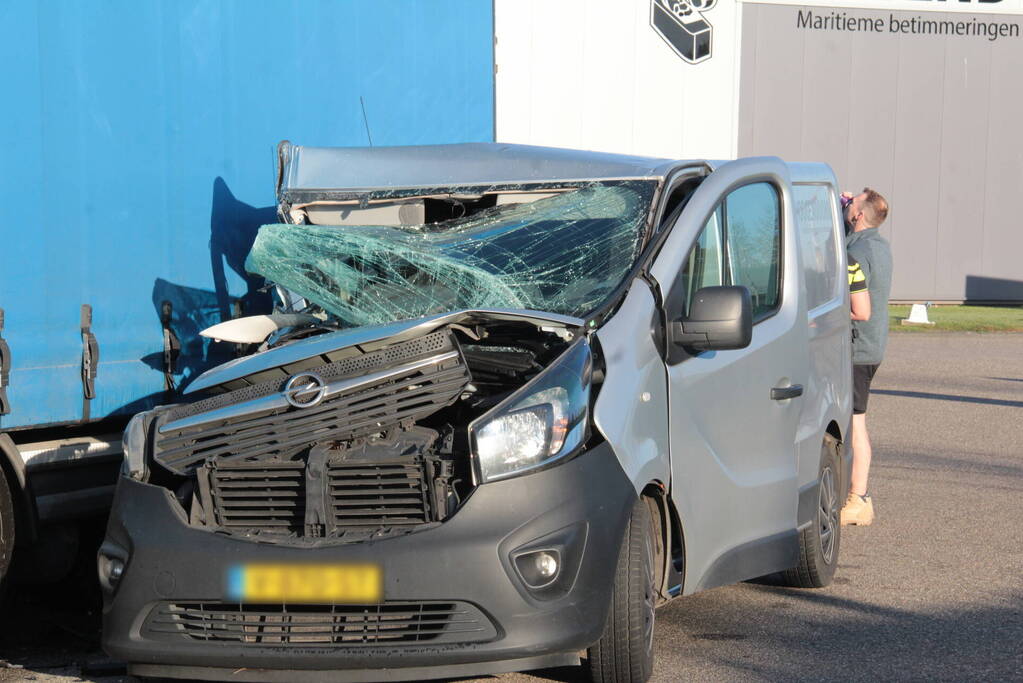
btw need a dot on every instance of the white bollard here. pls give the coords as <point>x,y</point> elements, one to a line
<point>917,316</point>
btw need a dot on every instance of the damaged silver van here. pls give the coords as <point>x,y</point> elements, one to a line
<point>512,399</point>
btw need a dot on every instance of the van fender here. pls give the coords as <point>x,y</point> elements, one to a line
<point>808,494</point>
<point>671,546</point>
<point>631,411</point>
<point>24,502</point>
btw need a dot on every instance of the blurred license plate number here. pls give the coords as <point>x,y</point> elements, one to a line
<point>354,583</point>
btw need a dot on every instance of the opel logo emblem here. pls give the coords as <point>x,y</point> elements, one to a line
<point>304,390</point>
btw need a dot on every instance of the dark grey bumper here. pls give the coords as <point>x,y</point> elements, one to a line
<point>467,559</point>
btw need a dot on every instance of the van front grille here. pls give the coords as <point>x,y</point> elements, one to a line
<point>391,623</point>
<point>268,498</point>
<point>363,497</point>
<point>262,426</point>
<point>378,494</point>
<point>344,416</point>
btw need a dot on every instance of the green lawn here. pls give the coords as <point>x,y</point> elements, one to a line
<point>962,319</point>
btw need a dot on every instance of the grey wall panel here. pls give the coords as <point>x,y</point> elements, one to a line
<point>916,184</point>
<point>777,87</point>
<point>1002,273</point>
<point>826,97</point>
<point>936,125</point>
<point>747,65</point>
<point>871,137</point>
<point>961,222</point>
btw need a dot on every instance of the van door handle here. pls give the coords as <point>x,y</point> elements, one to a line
<point>784,393</point>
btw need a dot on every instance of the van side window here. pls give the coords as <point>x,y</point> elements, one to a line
<point>814,210</point>
<point>704,267</point>
<point>753,238</point>
<point>740,244</point>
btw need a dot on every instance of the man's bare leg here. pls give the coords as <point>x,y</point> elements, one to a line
<point>861,455</point>
<point>859,509</point>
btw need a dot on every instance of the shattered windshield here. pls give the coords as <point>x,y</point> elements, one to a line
<point>562,254</point>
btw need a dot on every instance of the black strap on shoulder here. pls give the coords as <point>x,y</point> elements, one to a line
<point>171,346</point>
<point>5,369</point>
<point>90,360</point>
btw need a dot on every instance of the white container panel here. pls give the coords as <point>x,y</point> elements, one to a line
<point>597,75</point>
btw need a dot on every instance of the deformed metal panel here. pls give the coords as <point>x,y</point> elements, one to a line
<point>365,336</point>
<point>366,168</point>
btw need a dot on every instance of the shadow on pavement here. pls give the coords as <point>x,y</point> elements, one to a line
<point>950,397</point>
<point>53,629</point>
<point>814,635</point>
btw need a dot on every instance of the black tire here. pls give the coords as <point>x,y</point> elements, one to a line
<point>625,653</point>
<point>819,543</point>
<point>6,526</point>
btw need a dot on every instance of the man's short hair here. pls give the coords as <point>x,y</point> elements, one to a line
<point>875,207</point>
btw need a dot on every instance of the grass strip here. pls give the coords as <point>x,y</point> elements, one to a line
<point>963,318</point>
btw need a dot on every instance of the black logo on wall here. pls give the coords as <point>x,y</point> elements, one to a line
<point>683,27</point>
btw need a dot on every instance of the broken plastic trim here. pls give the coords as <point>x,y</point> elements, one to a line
<point>564,254</point>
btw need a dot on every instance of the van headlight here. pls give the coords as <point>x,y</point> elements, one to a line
<point>543,421</point>
<point>134,445</point>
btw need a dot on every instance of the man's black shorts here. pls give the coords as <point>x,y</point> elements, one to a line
<point>863,375</point>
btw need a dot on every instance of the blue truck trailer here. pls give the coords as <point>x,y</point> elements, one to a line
<point>136,172</point>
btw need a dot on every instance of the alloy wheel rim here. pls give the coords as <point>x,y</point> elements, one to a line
<point>649,603</point>
<point>827,515</point>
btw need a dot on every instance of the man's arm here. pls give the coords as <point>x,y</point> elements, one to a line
<point>861,305</point>
<point>858,294</point>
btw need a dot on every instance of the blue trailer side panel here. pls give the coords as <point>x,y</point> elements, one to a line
<point>139,156</point>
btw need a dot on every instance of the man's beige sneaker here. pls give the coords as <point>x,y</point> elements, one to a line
<point>858,511</point>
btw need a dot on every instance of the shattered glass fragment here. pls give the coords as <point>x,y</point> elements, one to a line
<point>562,254</point>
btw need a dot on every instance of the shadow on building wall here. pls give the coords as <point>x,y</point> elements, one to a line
<point>981,288</point>
<point>184,311</point>
<point>233,228</point>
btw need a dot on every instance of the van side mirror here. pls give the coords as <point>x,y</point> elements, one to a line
<point>720,318</point>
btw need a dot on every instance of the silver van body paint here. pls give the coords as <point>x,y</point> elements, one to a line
<point>735,437</point>
<point>631,411</point>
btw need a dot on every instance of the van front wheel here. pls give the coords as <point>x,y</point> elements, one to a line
<point>625,651</point>
<point>6,525</point>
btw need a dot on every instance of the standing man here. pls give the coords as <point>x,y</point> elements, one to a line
<point>864,213</point>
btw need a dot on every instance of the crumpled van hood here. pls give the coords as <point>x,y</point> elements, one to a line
<point>398,331</point>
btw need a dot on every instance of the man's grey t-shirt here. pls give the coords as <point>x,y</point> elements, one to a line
<point>875,259</point>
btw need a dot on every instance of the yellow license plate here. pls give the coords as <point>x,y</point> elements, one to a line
<point>308,583</point>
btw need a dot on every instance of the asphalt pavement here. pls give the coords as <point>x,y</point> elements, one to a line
<point>933,590</point>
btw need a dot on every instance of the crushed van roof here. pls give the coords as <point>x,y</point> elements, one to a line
<point>305,170</point>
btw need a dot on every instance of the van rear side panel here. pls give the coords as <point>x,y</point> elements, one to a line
<point>828,393</point>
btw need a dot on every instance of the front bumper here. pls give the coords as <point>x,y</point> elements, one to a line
<point>583,504</point>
